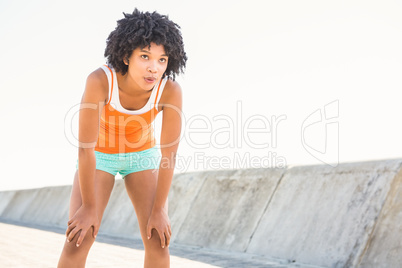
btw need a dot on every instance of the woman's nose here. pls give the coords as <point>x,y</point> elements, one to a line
<point>152,68</point>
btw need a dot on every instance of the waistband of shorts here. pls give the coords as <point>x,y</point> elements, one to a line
<point>151,151</point>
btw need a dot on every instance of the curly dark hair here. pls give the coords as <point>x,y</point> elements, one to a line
<point>139,29</point>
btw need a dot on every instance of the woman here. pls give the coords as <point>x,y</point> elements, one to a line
<point>144,53</point>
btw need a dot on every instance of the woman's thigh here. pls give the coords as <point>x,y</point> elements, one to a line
<point>103,187</point>
<point>141,188</point>
<point>104,183</point>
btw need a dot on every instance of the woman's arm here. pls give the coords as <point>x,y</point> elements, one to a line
<point>170,137</point>
<point>93,100</point>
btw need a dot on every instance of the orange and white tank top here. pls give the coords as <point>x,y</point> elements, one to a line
<point>126,131</point>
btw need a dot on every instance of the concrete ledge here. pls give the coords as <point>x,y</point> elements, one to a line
<point>323,215</point>
<point>384,248</point>
<point>5,198</point>
<point>184,190</point>
<point>348,216</point>
<point>119,218</point>
<point>46,206</point>
<point>228,207</point>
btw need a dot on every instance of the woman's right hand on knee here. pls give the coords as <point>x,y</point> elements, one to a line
<point>81,222</point>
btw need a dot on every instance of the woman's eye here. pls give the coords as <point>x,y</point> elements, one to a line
<point>163,60</point>
<point>144,57</point>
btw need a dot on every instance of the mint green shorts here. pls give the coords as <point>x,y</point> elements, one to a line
<point>127,163</point>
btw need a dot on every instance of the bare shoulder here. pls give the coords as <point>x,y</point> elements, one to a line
<point>97,87</point>
<point>172,94</point>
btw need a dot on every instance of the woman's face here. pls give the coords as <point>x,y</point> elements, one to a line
<point>147,65</point>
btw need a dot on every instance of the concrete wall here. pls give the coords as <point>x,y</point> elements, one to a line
<point>348,216</point>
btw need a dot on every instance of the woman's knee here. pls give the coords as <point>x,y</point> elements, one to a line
<point>71,249</point>
<point>154,245</point>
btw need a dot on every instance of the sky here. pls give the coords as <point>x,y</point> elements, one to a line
<point>267,83</point>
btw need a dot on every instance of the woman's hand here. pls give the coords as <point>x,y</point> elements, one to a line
<point>82,221</point>
<point>159,220</point>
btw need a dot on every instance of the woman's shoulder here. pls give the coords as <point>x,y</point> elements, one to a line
<point>171,95</point>
<point>97,84</point>
<point>98,77</point>
<point>172,90</point>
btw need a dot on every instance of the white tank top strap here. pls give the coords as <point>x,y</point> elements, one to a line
<point>159,93</point>
<point>110,78</point>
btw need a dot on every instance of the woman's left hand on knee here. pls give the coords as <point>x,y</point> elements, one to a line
<point>159,220</point>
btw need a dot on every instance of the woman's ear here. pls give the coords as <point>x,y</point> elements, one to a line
<point>125,60</point>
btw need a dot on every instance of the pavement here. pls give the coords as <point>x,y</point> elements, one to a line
<point>22,245</point>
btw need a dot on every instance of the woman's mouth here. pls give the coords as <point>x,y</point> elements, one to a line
<point>150,79</point>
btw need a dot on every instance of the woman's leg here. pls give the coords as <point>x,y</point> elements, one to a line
<point>141,188</point>
<point>72,256</point>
